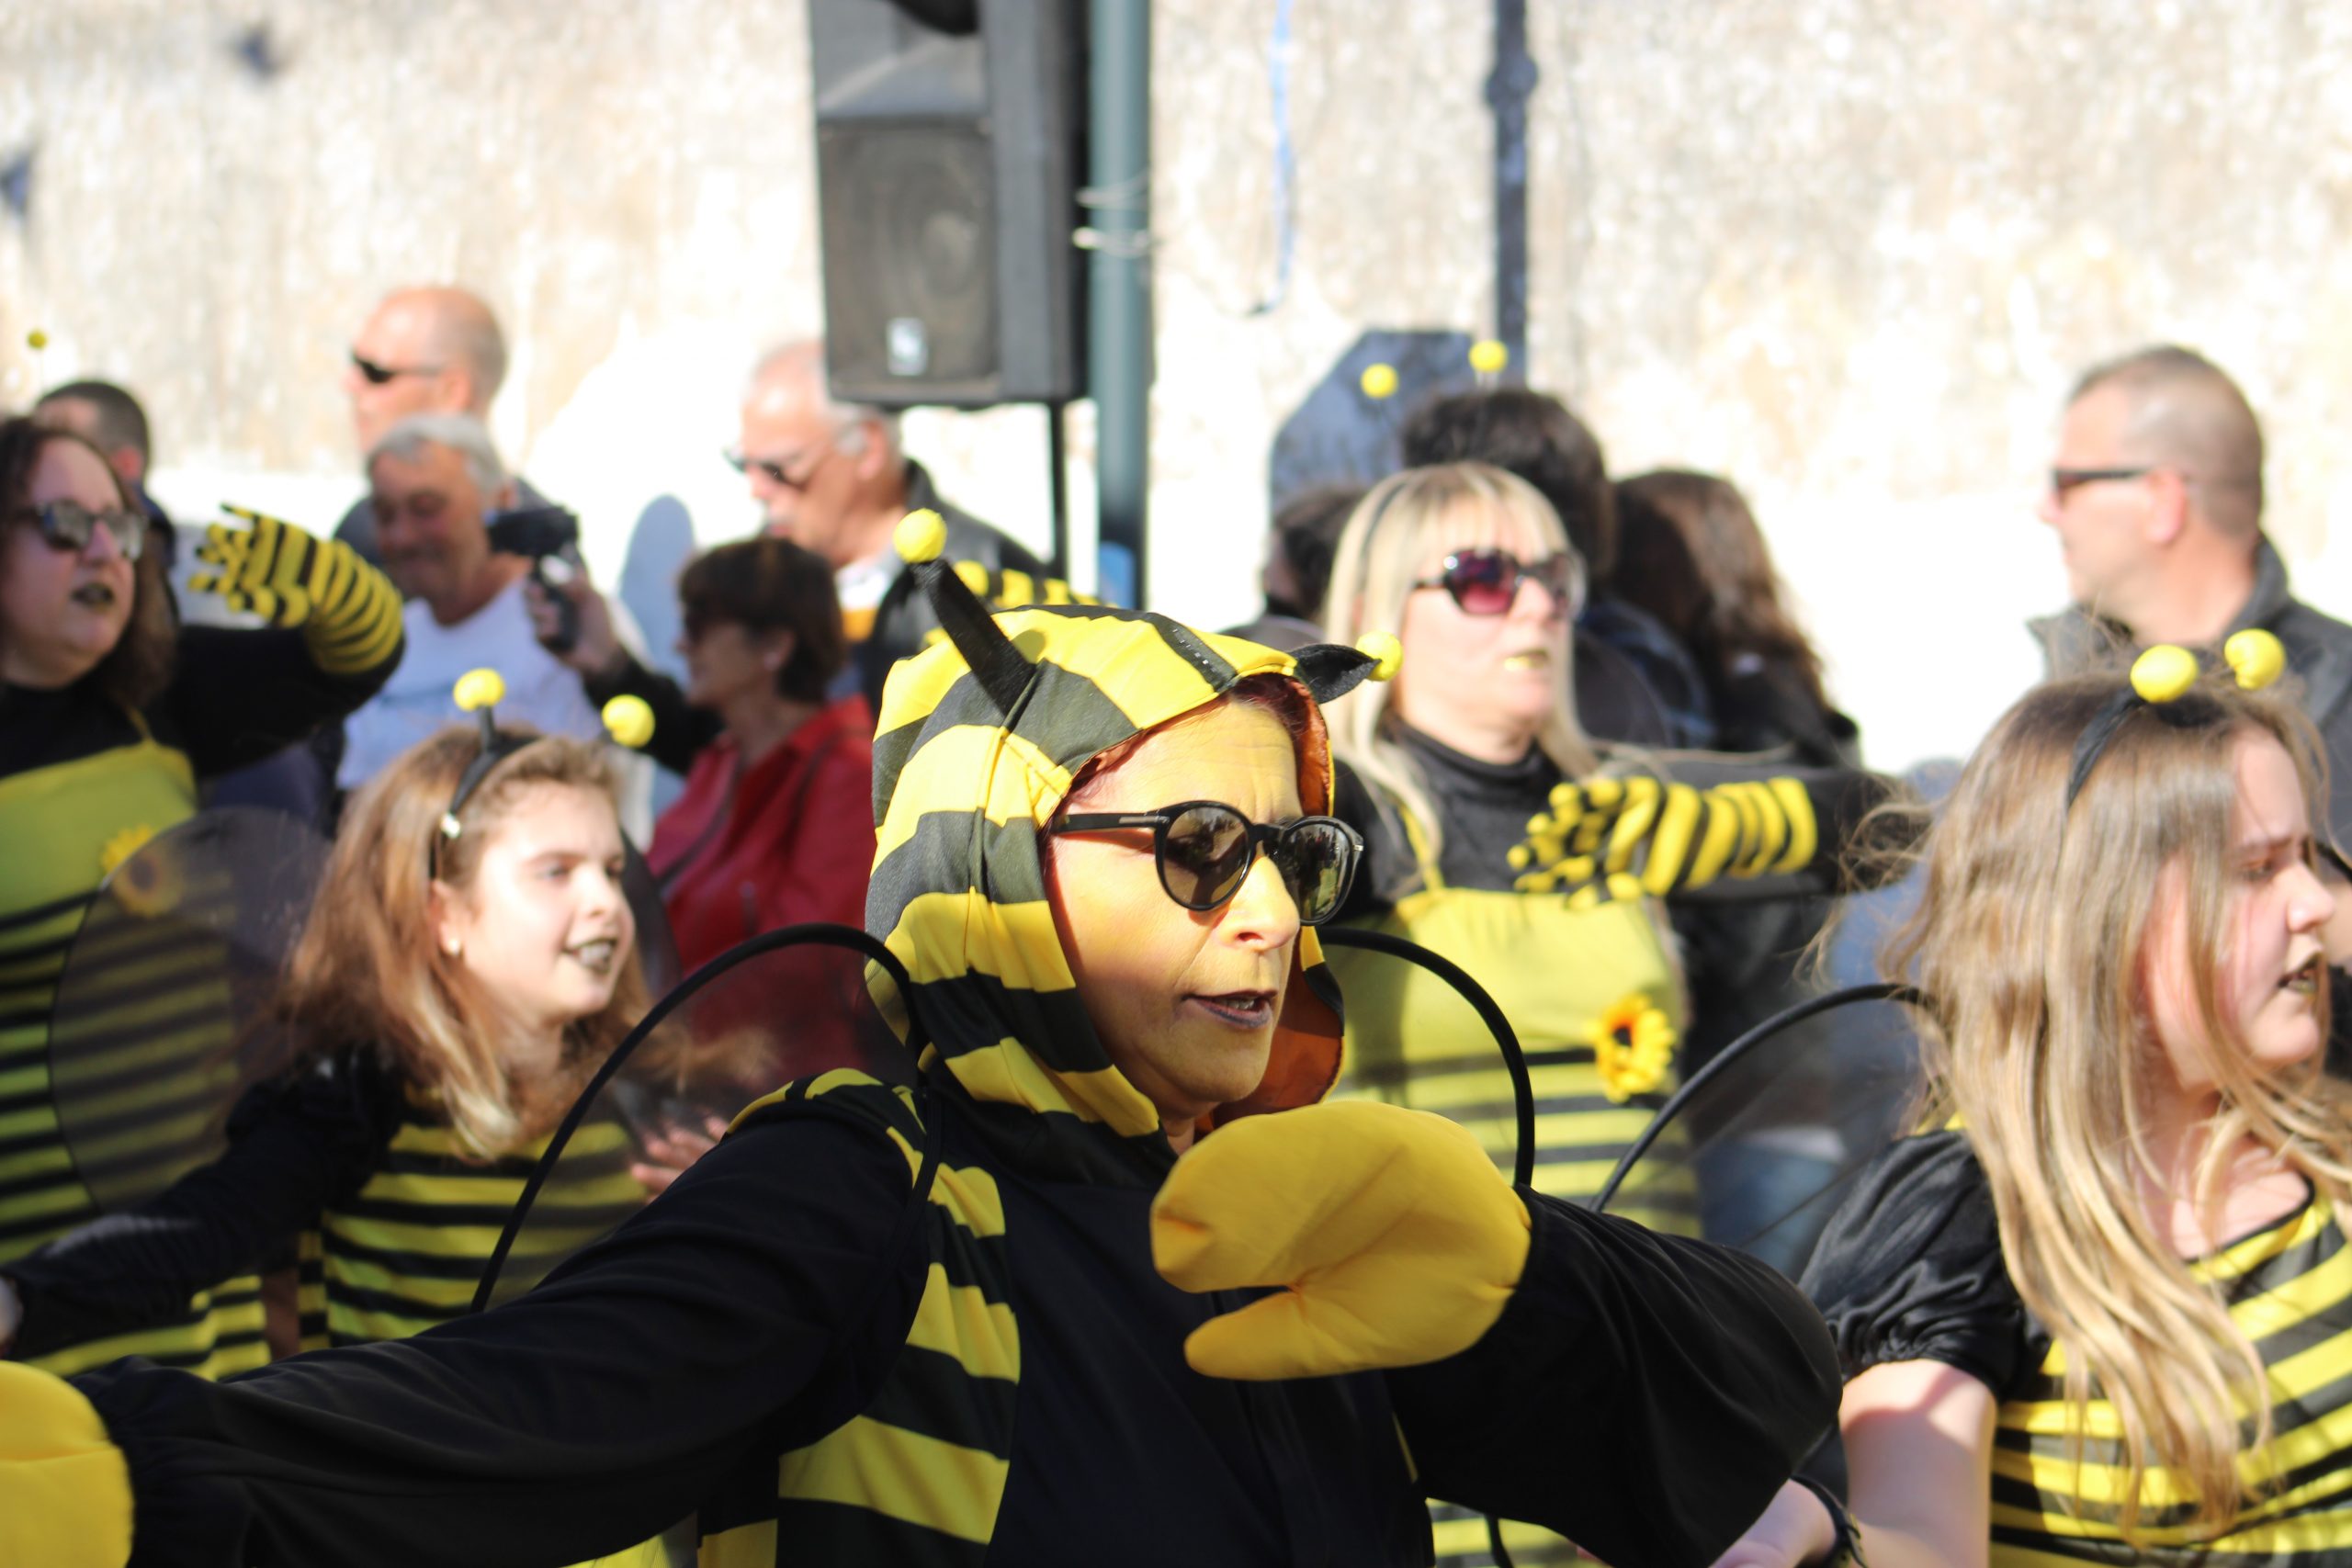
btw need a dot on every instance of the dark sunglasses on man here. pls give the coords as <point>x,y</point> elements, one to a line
<point>1205,850</point>
<point>68,525</point>
<point>1485,583</point>
<point>376,375</point>
<point>777,472</point>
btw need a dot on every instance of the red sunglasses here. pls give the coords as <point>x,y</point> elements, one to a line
<point>1484,582</point>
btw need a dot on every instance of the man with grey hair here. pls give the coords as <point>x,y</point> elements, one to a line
<point>833,479</point>
<point>432,350</point>
<point>2156,497</point>
<point>432,478</point>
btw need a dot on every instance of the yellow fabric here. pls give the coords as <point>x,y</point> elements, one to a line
<point>1395,1239</point>
<point>64,1489</point>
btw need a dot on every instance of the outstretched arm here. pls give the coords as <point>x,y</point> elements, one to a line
<point>735,1310</point>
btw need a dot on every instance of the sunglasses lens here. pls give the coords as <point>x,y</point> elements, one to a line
<point>1482,583</point>
<point>1315,856</point>
<point>1205,856</point>
<point>375,375</point>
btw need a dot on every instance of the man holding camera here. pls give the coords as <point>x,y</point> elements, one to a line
<point>433,479</point>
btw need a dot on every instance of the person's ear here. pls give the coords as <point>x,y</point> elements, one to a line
<point>874,458</point>
<point>457,385</point>
<point>2168,506</point>
<point>775,649</point>
<point>503,499</point>
<point>445,917</point>
<point>127,465</point>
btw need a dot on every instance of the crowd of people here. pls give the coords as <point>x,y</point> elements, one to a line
<point>1180,1229</point>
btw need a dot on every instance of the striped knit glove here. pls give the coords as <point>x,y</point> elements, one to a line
<point>349,612</point>
<point>1640,836</point>
<point>1395,1239</point>
<point>64,1489</point>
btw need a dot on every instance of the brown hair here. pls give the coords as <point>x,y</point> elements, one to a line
<point>140,666</point>
<point>1725,599</point>
<point>1534,435</point>
<point>2029,940</point>
<point>367,970</point>
<point>769,584</point>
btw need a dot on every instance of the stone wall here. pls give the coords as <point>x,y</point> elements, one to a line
<point>1845,251</point>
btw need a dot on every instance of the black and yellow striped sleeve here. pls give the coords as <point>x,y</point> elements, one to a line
<point>355,623</point>
<point>1715,830</point>
<point>631,1386</point>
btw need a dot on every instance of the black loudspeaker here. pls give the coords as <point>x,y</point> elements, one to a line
<point>950,138</point>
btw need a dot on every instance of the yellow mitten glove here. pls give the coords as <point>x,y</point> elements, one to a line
<point>64,1490</point>
<point>1394,1238</point>
<point>349,612</point>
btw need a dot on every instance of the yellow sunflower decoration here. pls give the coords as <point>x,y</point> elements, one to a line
<point>1633,1045</point>
<point>149,885</point>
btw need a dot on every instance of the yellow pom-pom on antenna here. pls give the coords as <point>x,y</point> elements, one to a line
<point>629,720</point>
<point>36,339</point>
<point>2256,657</point>
<point>479,689</point>
<point>1388,655</point>
<point>1378,380</point>
<point>2163,673</point>
<point>919,536</point>
<point>1487,356</point>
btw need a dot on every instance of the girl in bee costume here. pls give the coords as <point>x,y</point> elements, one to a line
<point>467,958</point>
<point>110,713</point>
<point>1041,1360</point>
<point>2104,1314</point>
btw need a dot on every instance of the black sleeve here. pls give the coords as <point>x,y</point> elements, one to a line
<point>1910,1268</point>
<point>1645,1395</point>
<point>741,1308</point>
<point>238,696</point>
<point>295,1147</point>
<point>679,731</point>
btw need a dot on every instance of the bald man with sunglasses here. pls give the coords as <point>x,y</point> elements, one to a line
<point>2156,494</point>
<point>429,350</point>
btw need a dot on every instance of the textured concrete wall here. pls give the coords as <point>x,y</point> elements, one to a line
<point>1848,253</point>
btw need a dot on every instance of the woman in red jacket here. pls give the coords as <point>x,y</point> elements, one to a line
<point>777,823</point>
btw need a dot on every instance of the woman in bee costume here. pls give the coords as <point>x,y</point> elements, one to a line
<point>1159,1306</point>
<point>109,715</point>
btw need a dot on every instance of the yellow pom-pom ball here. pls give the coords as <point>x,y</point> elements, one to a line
<point>629,720</point>
<point>1388,655</point>
<point>2163,673</point>
<point>1378,380</point>
<point>2257,657</point>
<point>921,535</point>
<point>37,339</point>
<point>1487,356</point>
<point>479,689</point>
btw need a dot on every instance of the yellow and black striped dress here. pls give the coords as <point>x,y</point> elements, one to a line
<point>407,1250</point>
<point>63,828</point>
<point>1910,1270</point>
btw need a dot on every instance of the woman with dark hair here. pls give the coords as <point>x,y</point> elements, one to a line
<point>1690,554</point>
<point>110,713</point>
<point>777,823</point>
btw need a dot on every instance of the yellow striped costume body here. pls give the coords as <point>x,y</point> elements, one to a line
<point>408,1250</point>
<point>65,826</point>
<point>2290,1288</point>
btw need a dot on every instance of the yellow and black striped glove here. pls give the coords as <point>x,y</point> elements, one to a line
<point>1641,836</point>
<point>349,612</point>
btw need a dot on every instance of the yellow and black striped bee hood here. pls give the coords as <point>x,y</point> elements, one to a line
<point>979,740</point>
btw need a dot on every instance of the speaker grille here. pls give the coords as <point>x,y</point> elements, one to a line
<point>911,258</point>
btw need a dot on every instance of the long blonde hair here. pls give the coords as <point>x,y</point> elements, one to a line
<point>1388,537</point>
<point>367,970</point>
<point>2029,940</point>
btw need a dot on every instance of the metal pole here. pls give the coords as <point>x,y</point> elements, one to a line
<point>1506,93</point>
<point>1118,306</point>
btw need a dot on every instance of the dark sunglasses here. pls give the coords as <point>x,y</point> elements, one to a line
<point>2062,481</point>
<point>1484,582</point>
<point>376,375</point>
<point>1205,850</point>
<point>776,471</point>
<point>68,525</point>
